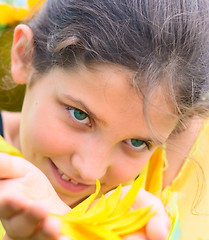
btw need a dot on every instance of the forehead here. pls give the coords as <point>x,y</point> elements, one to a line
<point>107,91</point>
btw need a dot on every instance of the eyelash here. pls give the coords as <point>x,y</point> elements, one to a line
<point>127,141</point>
<point>147,144</point>
<point>82,121</point>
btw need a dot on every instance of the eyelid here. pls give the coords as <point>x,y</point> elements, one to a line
<point>148,145</point>
<point>68,108</point>
<point>77,102</point>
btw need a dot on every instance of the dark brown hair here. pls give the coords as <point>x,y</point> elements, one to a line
<point>165,42</point>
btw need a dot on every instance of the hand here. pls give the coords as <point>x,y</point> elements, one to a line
<point>158,226</point>
<point>25,200</point>
<point>22,221</point>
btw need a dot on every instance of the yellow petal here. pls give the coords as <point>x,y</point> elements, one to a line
<point>136,223</point>
<point>129,198</point>
<point>98,212</point>
<point>128,218</point>
<point>108,218</point>
<point>5,147</point>
<point>81,208</point>
<point>68,230</point>
<point>91,232</point>
<point>104,207</point>
<point>114,198</point>
<point>2,231</point>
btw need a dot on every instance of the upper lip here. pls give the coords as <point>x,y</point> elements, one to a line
<point>73,179</point>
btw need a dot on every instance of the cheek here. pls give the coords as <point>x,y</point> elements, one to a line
<point>126,169</point>
<point>44,133</point>
<point>52,138</point>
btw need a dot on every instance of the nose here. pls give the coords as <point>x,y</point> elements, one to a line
<point>91,162</point>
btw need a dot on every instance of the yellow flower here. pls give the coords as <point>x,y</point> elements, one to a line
<point>9,14</point>
<point>108,219</point>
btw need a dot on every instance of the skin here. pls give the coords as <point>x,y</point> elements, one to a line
<point>98,146</point>
<point>69,141</point>
<point>25,214</point>
<point>178,147</point>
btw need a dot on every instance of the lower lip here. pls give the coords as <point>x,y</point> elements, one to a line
<point>76,188</point>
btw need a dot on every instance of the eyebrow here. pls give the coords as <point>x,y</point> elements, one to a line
<point>84,107</point>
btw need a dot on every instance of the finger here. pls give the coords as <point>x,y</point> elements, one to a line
<point>6,237</point>
<point>140,235</point>
<point>11,166</point>
<point>157,227</point>
<point>49,230</point>
<point>64,238</point>
<point>11,205</point>
<point>25,222</point>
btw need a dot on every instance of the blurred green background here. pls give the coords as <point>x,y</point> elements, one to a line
<point>11,95</point>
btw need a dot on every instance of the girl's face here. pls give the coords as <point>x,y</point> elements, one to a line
<point>84,124</point>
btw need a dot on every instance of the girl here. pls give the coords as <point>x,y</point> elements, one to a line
<point>107,83</point>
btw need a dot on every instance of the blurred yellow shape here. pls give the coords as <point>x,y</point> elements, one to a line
<point>10,14</point>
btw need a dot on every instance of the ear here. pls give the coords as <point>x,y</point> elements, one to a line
<point>21,54</point>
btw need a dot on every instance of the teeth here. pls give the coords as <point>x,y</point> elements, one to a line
<point>59,171</point>
<point>73,182</point>
<point>66,178</point>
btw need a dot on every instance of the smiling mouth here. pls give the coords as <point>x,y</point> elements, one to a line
<point>66,182</point>
<point>66,178</point>
<point>70,188</point>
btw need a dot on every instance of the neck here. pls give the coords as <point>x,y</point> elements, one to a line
<point>178,147</point>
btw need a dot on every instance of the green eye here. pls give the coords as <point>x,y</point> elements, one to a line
<point>137,144</point>
<point>79,115</point>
